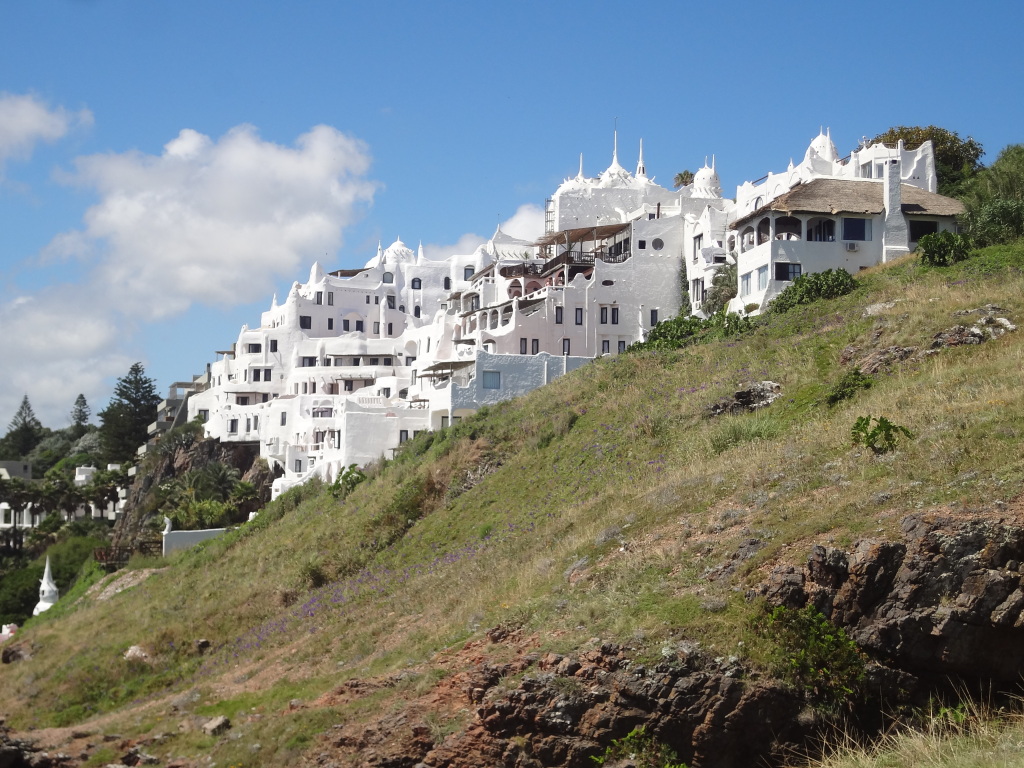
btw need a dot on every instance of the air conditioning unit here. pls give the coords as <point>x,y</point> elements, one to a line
<point>851,247</point>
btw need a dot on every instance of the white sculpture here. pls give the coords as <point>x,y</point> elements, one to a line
<point>48,593</point>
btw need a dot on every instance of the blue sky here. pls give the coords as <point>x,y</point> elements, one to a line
<point>165,167</point>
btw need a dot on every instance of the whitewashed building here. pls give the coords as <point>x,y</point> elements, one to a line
<point>354,362</point>
<point>827,212</point>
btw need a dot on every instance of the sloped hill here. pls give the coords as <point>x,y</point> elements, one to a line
<point>601,524</point>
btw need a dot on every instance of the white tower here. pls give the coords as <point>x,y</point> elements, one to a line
<point>48,594</point>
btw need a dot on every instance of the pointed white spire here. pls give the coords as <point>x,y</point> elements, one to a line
<point>641,170</point>
<point>48,593</point>
<point>580,175</point>
<point>615,147</point>
<point>273,303</point>
<point>419,254</point>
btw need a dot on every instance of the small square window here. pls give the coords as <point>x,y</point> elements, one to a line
<point>298,465</point>
<point>622,346</point>
<point>654,317</point>
<point>579,316</point>
<point>319,297</point>
<point>641,245</point>
<point>522,346</point>
<point>305,321</point>
<point>344,325</point>
<point>376,327</point>
<point>359,325</point>
<point>615,315</point>
<point>330,323</point>
<point>558,315</point>
<point>330,298</point>
<point>273,345</point>
<point>535,347</point>
<point>786,271</point>
<point>491,380</point>
<point>367,298</point>
<point>604,315</point>
<point>565,346</point>
<point>606,346</point>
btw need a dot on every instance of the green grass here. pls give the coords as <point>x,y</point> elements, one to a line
<point>609,497</point>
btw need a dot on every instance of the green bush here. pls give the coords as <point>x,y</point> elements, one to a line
<point>346,482</point>
<point>812,654</point>
<point>641,750</point>
<point>941,249</point>
<point>849,384</point>
<point>683,331</point>
<point>880,438</point>
<point>830,284</point>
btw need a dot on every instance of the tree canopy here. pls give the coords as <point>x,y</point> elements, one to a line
<point>956,159</point>
<point>124,423</point>
<point>80,414</point>
<point>994,199</point>
<point>23,433</point>
<point>682,179</point>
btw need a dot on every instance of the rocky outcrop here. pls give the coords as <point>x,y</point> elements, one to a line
<point>567,709</point>
<point>18,753</point>
<point>141,503</point>
<point>946,600</point>
<point>758,395</point>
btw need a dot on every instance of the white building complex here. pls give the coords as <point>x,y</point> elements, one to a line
<point>354,362</point>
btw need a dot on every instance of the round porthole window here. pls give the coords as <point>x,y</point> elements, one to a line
<point>657,244</point>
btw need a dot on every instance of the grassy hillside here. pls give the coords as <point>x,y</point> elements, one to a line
<point>604,505</point>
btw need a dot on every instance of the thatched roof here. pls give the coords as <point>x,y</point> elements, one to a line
<point>832,196</point>
<point>582,234</point>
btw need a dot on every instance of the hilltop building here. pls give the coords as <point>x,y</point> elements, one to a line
<point>355,362</point>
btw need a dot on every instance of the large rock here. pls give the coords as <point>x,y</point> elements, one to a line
<point>946,600</point>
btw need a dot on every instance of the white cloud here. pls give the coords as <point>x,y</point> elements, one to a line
<point>527,223</point>
<point>55,345</point>
<point>206,221</point>
<point>214,222</point>
<point>25,121</point>
<point>461,247</point>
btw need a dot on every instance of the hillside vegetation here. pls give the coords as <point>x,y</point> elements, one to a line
<point>605,505</point>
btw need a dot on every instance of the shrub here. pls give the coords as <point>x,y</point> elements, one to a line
<point>849,384</point>
<point>830,284</point>
<point>812,654</point>
<point>683,331</point>
<point>942,249</point>
<point>346,482</point>
<point>880,438</point>
<point>641,750</point>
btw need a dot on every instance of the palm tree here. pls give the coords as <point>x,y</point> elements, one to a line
<point>723,288</point>
<point>682,179</point>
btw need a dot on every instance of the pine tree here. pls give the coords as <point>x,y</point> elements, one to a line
<point>80,414</point>
<point>124,423</point>
<point>24,432</point>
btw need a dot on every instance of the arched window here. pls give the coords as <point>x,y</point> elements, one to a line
<point>401,307</point>
<point>389,277</point>
<point>417,283</point>
<point>447,283</point>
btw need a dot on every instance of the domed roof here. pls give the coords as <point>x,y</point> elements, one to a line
<point>823,147</point>
<point>706,182</point>
<point>397,253</point>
